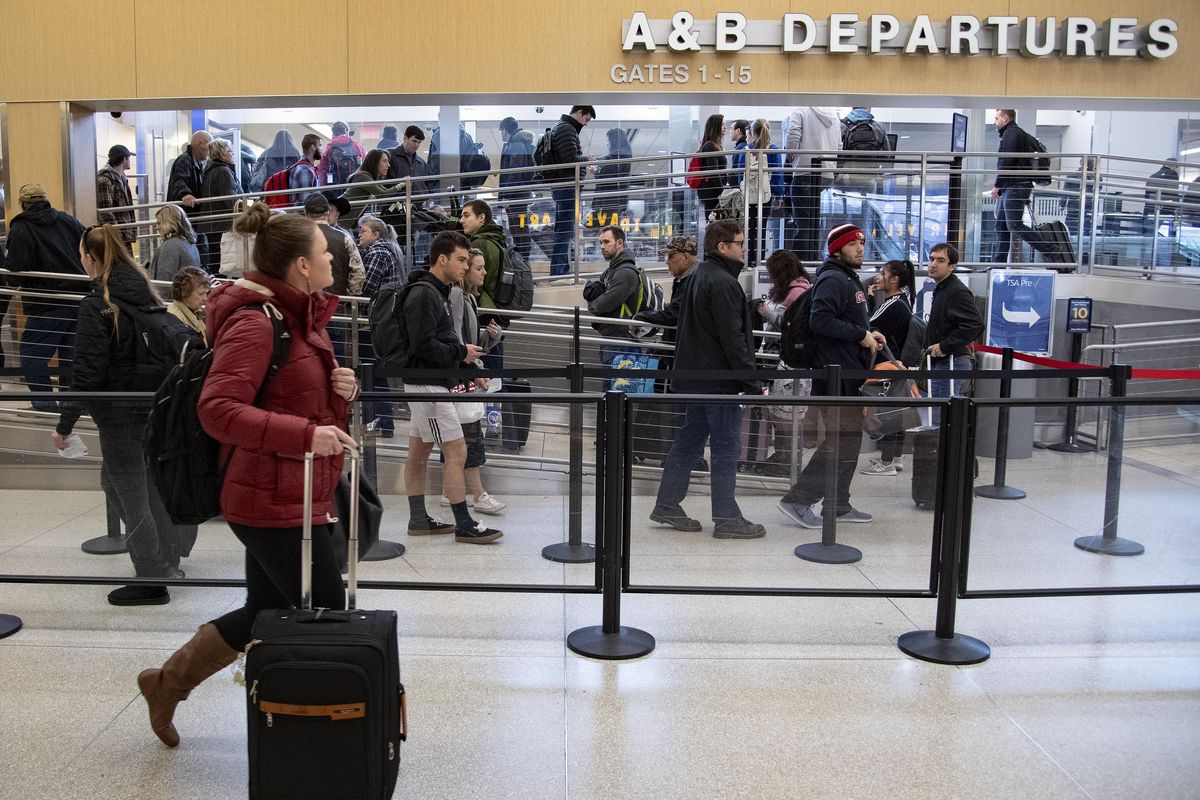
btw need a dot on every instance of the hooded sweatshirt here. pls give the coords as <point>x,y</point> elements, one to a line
<point>279,156</point>
<point>490,239</point>
<point>621,280</point>
<point>813,128</point>
<point>516,153</point>
<point>432,338</point>
<point>43,239</point>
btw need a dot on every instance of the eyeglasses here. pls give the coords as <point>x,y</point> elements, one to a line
<point>738,242</point>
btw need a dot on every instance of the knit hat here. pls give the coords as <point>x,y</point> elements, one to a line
<point>843,235</point>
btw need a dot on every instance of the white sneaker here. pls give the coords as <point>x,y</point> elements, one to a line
<point>898,464</point>
<point>486,504</point>
<point>470,500</point>
<point>877,467</point>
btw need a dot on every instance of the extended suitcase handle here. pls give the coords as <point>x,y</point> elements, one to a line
<point>351,545</point>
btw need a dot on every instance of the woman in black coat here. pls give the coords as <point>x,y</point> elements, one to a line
<point>220,180</point>
<point>712,186</point>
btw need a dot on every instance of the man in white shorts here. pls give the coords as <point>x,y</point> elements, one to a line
<point>432,345</point>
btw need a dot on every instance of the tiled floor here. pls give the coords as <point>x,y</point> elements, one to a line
<point>1084,697</point>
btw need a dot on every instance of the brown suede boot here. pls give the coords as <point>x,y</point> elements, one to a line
<point>206,654</point>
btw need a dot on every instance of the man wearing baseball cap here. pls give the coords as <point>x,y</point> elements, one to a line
<point>112,191</point>
<point>839,323</point>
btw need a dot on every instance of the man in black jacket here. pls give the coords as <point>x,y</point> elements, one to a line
<point>433,345</point>
<point>714,333</point>
<point>565,149</point>
<point>43,239</point>
<point>954,320</point>
<point>1012,192</point>
<point>515,192</point>
<point>840,325</point>
<point>186,182</point>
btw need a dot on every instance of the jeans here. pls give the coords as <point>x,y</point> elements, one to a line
<point>49,330</point>
<point>805,197</point>
<point>153,540</point>
<point>518,226</point>
<point>720,425</point>
<point>381,411</point>
<point>564,230</point>
<point>1010,209</point>
<point>940,387</point>
<point>843,429</point>
<point>273,576</point>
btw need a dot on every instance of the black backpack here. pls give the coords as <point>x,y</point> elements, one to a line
<point>343,162</point>
<point>471,157</point>
<point>514,289</point>
<point>797,345</point>
<point>863,136</point>
<point>159,342</point>
<point>185,462</point>
<point>1041,162</point>
<point>389,334</point>
<point>543,154</point>
<point>912,350</point>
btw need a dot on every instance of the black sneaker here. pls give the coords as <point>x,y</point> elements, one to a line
<point>676,517</point>
<point>428,527</point>
<point>738,529</point>
<point>476,534</point>
<point>139,595</point>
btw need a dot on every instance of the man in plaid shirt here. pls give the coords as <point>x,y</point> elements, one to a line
<point>112,191</point>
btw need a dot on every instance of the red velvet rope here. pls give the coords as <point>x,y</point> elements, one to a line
<point>1053,363</point>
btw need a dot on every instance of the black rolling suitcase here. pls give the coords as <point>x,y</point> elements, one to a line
<point>1055,234</point>
<point>324,698</point>
<point>515,415</point>
<point>925,451</point>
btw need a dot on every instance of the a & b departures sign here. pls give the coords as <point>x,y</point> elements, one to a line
<point>1021,310</point>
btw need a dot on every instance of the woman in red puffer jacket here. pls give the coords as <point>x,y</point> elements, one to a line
<point>303,409</point>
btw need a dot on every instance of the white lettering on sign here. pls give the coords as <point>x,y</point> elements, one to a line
<point>922,34</point>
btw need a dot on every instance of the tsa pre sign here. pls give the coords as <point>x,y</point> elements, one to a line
<point>1021,310</point>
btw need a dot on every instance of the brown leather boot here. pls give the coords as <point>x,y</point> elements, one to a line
<point>206,654</point>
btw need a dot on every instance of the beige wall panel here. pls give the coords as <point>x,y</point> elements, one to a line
<point>183,52</point>
<point>1177,76</point>
<point>66,48</point>
<point>34,141</point>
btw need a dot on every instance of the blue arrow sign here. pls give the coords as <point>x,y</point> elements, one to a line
<point>1021,310</point>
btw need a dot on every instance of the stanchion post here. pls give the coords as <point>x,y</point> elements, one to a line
<point>112,543</point>
<point>1070,443</point>
<point>574,550</point>
<point>942,645</point>
<point>1109,544</point>
<point>382,550</point>
<point>999,490</point>
<point>828,551</point>
<point>612,641</point>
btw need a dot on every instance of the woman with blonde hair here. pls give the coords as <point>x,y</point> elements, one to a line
<point>220,180</point>
<point>464,310</point>
<point>178,248</point>
<point>106,348</point>
<point>265,429</point>
<point>189,293</point>
<point>764,183</point>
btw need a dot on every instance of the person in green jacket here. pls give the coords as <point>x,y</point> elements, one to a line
<point>488,237</point>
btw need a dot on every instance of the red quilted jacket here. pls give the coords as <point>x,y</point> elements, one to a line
<point>264,482</point>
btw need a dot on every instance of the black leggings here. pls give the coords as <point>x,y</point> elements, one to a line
<point>273,576</point>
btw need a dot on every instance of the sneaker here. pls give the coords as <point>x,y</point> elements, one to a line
<point>470,501</point>
<point>476,534</point>
<point>898,464</point>
<point>801,514</point>
<point>139,595</point>
<point>877,467</point>
<point>676,517</point>
<point>740,528</point>
<point>486,504</point>
<point>428,527</point>
<point>854,515</point>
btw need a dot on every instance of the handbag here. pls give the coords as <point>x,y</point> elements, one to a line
<point>235,253</point>
<point>468,412</point>
<point>634,361</point>
<point>882,421</point>
<point>370,517</point>
<point>785,387</point>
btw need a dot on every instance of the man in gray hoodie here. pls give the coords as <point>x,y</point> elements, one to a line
<point>816,129</point>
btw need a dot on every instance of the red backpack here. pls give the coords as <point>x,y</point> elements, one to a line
<point>695,168</point>
<point>277,183</point>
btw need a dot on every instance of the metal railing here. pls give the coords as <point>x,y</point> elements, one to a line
<point>1120,223</point>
